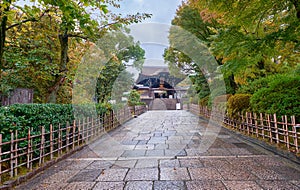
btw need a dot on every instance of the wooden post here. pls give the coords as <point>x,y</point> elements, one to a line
<point>262,125</point>
<point>59,141</point>
<point>124,117</point>
<point>295,134</point>
<point>249,122</point>
<point>16,155</point>
<point>269,128</point>
<point>286,128</point>
<point>83,130</point>
<point>51,141</point>
<point>87,128</point>
<point>241,127</point>
<point>92,129</point>
<point>112,119</point>
<point>67,137</point>
<point>256,125</point>
<point>73,135</point>
<point>0,157</point>
<point>11,154</point>
<point>29,152</point>
<point>276,129</point>
<point>98,125</point>
<point>41,158</point>
<point>78,129</point>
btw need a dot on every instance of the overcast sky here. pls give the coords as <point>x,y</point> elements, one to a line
<point>163,11</point>
<point>153,32</point>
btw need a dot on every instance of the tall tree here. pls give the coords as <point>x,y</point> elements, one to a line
<point>255,35</point>
<point>121,50</point>
<point>80,19</point>
<point>78,22</point>
<point>8,21</point>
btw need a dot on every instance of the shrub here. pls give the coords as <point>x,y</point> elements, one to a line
<point>220,102</point>
<point>238,103</point>
<point>280,96</point>
<point>204,101</point>
<point>21,117</point>
<point>134,98</point>
<point>259,83</point>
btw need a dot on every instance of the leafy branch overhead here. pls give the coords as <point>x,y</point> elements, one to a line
<point>53,35</point>
<point>248,39</point>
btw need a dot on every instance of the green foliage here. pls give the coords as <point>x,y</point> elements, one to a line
<point>119,49</point>
<point>204,101</point>
<point>37,49</point>
<point>238,103</point>
<point>281,95</point>
<point>220,102</point>
<point>200,85</point>
<point>257,84</point>
<point>134,98</point>
<point>123,83</point>
<point>9,122</point>
<point>37,115</point>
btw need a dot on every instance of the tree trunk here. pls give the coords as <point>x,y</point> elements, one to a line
<point>296,3</point>
<point>3,34</point>
<point>60,78</point>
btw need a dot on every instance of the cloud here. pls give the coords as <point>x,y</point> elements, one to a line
<point>139,1</point>
<point>163,11</point>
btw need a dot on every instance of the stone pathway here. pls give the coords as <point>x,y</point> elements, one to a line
<point>169,150</point>
<point>158,104</point>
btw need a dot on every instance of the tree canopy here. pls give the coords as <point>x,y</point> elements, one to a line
<point>43,43</point>
<point>249,39</point>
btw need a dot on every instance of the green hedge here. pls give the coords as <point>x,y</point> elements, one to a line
<point>21,117</point>
<point>238,103</point>
<point>280,96</point>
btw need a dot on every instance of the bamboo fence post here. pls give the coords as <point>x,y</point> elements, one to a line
<point>29,147</point>
<point>112,119</point>
<point>92,129</point>
<point>276,128</point>
<point>73,135</point>
<point>51,141</point>
<point>11,154</point>
<point>249,122</point>
<point>241,126</point>
<point>99,126</point>
<point>78,129</point>
<point>67,137</point>
<point>0,156</point>
<point>59,140</point>
<point>16,154</point>
<point>295,134</point>
<point>83,129</point>
<point>41,158</point>
<point>256,125</point>
<point>124,115</point>
<point>262,125</point>
<point>287,132</point>
<point>109,120</point>
<point>269,128</point>
<point>88,129</point>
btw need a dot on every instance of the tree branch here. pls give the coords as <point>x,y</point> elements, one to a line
<point>28,20</point>
<point>77,36</point>
<point>22,22</point>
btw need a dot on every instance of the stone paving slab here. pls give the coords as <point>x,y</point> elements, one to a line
<point>147,174</point>
<point>139,185</point>
<point>164,150</point>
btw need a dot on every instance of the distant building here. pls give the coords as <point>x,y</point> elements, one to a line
<point>156,82</point>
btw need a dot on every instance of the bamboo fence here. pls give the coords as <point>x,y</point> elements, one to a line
<point>283,131</point>
<point>23,154</point>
